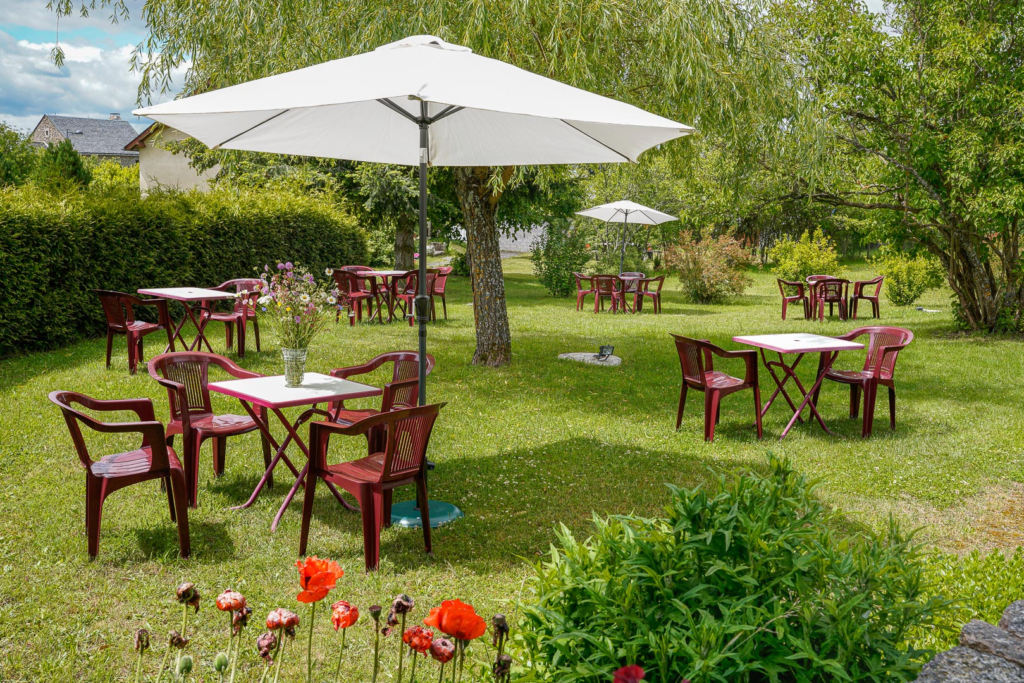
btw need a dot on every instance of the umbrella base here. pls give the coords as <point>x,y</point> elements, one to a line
<point>406,514</point>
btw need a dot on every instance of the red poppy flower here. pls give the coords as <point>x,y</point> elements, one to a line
<point>282,618</point>
<point>317,577</point>
<point>457,619</point>
<point>230,601</point>
<point>442,650</point>
<point>629,674</point>
<point>418,638</point>
<point>343,614</point>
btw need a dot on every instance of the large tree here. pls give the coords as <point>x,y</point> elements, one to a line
<point>697,61</point>
<point>925,109</point>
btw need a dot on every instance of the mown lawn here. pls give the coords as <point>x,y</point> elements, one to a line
<point>521,449</point>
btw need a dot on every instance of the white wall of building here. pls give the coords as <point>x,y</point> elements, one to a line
<point>158,167</point>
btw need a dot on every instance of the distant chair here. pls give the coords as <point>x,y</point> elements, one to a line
<point>119,309</point>
<point>365,288</point>
<point>697,364</point>
<point>831,291</point>
<point>440,283</point>
<point>153,459</point>
<point>405,289</point>
<point>859,292</point>
<point>800,296</point>
<point>243,312</point>
<point>644,291</point>
<point>884,345</point>
<point>811,281</point>
<point>584,287</point>
<point>606,287</point>
<point>344,298</point>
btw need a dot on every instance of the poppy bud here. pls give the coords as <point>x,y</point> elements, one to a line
<point>142,640</point>
<point>220,663</point>
<point>188,594</point>
<point>502,667</point>
<point>403,604</point>
<point>375,612</point>
<point>185,666</point>
<point>230,600</point>
<point>442,650</point>
<point>240,619</point>
<point>282,618</point>
<point>499,624</point>
<point>265,644</point>
<point>175,639</point>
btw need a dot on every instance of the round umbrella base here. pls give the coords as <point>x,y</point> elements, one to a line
<point>406,514</point>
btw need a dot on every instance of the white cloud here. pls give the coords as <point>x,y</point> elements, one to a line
<point>34,15</point>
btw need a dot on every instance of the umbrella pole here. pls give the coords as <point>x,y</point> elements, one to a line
<point>422,301</point>
<point>622,254</point>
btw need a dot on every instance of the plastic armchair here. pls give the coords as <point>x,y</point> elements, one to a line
<point>831,291</point>
<point>242,314</point>
<point>371,480</point>
<point>884,346</point>
<point>440,283</point>
<point>365,288</point>
<point>404,290</point>
<point>584,287</point>
<point>860,290</point>
<point>644,292</point>
<point>606,287</point>
<point>344,298</point>
<point>186,376</point>
<point>152,460</point>
<point>800,296</point>
<point>696,359</point>
<point>119,309</point>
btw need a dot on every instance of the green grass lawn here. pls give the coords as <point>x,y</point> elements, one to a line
<point>520,449</point>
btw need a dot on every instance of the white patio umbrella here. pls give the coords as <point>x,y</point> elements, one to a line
<point>421,101</point>
<point>626,212</point>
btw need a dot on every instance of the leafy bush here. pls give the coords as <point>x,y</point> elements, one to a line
<point>810,255</point>
<point>559,253</point>
<point>17,156</point>
<point>62,167</point>
<point>608,260</point>
<point>907,278</point>
<point>745,582</point>
<point>459,265</point>
<point>63,249</point>
<point>709,269</point>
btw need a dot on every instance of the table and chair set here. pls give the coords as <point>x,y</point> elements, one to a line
<point>819,290</point>
<point>387,292</point>
<point>618,291</point>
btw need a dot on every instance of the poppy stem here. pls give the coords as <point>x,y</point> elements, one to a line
<point>412,674</point>
<point>280,658</point>
<point>184,626</point>
<point>238,651</point>
<point>138,667</point>
<point>401,648</point>
<point>337,674</point>
<point>309,644</point>
<point>376,651</point>
<point>440,678</point>
<point>163,665</point>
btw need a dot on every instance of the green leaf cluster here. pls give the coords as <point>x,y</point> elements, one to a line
<point>17,156</point>
<point>745,581</point>
<point>710,269</point>
<point>558,254</point>
<point>908,277</point>
<point>61,167</point>
<point>812,254</point>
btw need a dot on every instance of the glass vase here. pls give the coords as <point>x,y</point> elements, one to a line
<point>294,366</point>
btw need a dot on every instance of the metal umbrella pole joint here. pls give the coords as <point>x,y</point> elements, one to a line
<point>422,300</point>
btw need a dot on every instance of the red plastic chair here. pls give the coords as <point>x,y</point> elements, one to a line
<point>371,480</point>
<point>645,291</point>
<point>884,345</point>
<point>365,288</point>
<point>697,362</point>
<point>344,296</point>
<point>584,287</point>
<point>404,290</point>
<point>811,281</point>
<point>799,297</point>
<point>439,287</point>
<point>242,314</point>
<point>831,291</point>
<point>401,392</point>
<point>606,287</point>
<point>185,376</point>
<point>154,459</point>
<point>859,289</point>
<point>119,308</point>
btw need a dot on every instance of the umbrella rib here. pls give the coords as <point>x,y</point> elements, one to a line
<point>446,112</point>
<point>398,110</point>
<point>595,139</point>
<point>249,130</point>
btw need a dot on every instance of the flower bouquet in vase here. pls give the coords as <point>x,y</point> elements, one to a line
<point>299,309</point>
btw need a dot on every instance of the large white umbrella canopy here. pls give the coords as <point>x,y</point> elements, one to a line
<point>421,101</point>
<point>624,212</point>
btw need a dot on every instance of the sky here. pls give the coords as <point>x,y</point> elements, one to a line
<point>96,78</point>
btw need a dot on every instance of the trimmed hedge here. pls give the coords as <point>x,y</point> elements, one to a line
<point>57,249</point>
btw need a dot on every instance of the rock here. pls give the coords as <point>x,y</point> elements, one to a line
<point>984,637</point>
<point>964,665</point>
<point>591,359</point>
<point>1013,619</point>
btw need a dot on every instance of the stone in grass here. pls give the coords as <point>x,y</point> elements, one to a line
<point>1013,619</point>
<point>964,665</point>
<point>984,637</point>
<point>591,359</point>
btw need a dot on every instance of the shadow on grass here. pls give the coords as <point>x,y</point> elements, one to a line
<point>211,543</point>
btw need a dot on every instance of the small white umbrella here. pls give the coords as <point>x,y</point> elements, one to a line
<point>421,101</point>
<point>627,212</point>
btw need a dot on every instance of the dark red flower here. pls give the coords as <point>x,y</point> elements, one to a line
<point>418,638</point>
<point>265,644</point>
<point>343,614</point>
<point>442,650</point>
<point>629,674</point>
<point>230,601</point>
<point>283,619</point>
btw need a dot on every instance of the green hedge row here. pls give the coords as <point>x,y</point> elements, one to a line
<point>56,250</point>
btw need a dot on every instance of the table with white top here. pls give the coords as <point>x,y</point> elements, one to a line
<point>388,277</point>
<point>191,299</point>
<point>799,344</point>
<point>271,393</point>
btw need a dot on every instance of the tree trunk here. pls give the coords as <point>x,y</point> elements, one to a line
<point>479,205</point>
<point>405,243</point>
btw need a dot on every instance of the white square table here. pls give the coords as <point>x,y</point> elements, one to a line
<point>192,299</point>
<point>388,279</point>
<point>798,343</point>
<point>270,392</point>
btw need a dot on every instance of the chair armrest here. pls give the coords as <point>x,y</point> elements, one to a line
<point>230,367</point>
<point>749,358</point>
<point>884,351</point>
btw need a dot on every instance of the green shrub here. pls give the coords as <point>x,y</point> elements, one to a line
<point>60,249</point>
<point>907,277</point>
<point>607,262</point>
<point>557,255</point>
<point>711,269</point>
<point>810,255</point>
<point>17,156</point>
<point>62,167</point>
<point>743,582</point>
<point>459,265</point>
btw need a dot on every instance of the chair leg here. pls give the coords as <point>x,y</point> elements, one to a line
<point>682,405</point>
<point>875,308</point>
<point>177,481</point>
<point>870,393</point>
<point>371,504</point>
<point>307,506</point>
<point>140,357</point>
<point>192,471</point>
<point>385,517</point>
<point>784,302</point>
<point>854,401</point>
<point>132,350</point>
<point>229,329</point>
<point>757,411</point>
<point>711,402</point>
<point>110,346</point>
<point>853,309</point>
<point>220,445</point>
<point>421,488</point>
<point>165,483</point>
<point>93,513</point>
<point>241,337</point>
<point>892,408</point>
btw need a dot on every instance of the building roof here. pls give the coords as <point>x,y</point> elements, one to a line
<point>139,141</point>
<point>98,136</point>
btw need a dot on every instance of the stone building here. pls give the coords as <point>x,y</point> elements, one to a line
<point>160,167</point>
<point>99,138</point>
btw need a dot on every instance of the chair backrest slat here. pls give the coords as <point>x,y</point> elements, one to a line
<point>114,308</point>
<point>408,434</point>
<point>691,358</point>
<point>879,337</point>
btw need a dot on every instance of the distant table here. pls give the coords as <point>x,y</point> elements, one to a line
<point>387,276</point>
<point>799,344</point>
<point>191,299</point>
<point>271,393</point>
